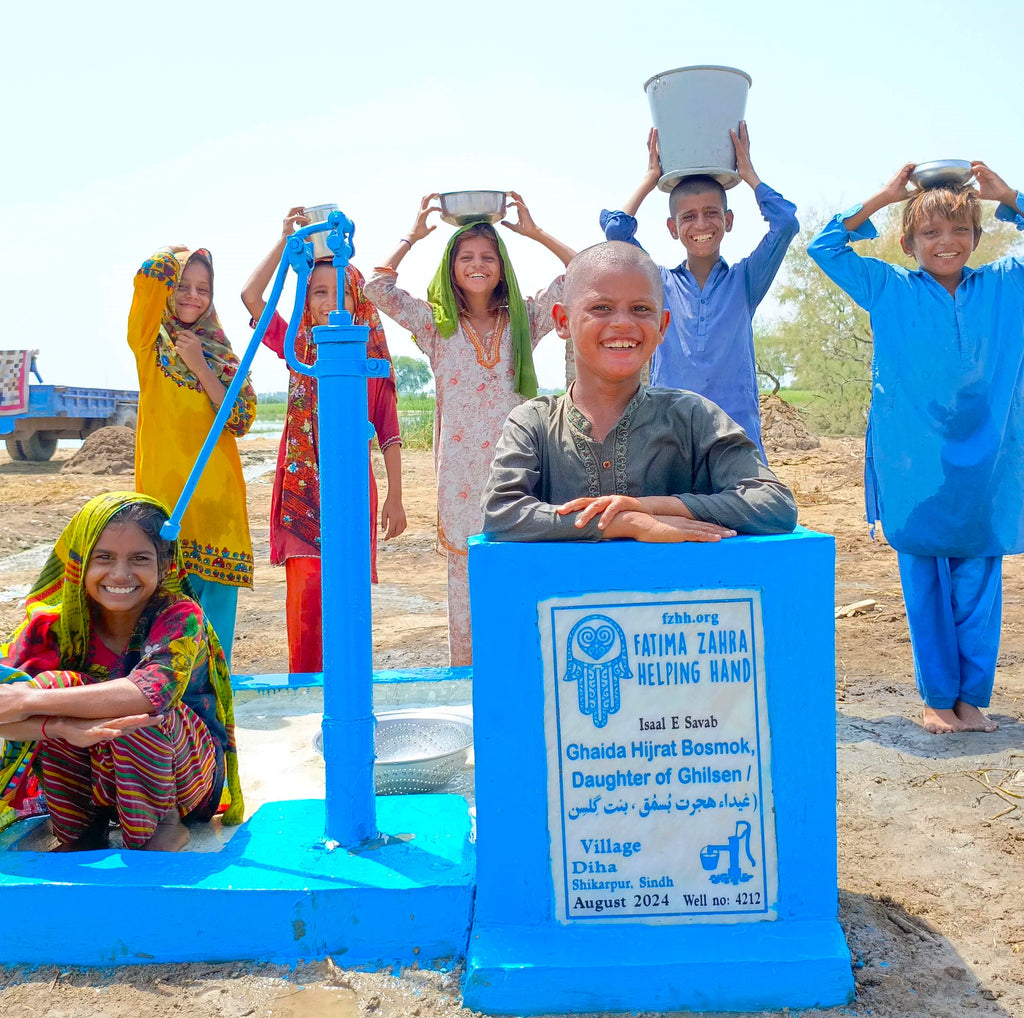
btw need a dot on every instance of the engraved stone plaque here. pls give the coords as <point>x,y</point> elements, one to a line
<point>659,757</point>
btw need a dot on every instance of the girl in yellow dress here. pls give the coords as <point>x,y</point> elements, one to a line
<point>185,366</point>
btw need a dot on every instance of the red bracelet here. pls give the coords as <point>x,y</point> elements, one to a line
<point>44,726</point>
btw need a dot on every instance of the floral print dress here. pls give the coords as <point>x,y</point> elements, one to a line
<point>474,380</point>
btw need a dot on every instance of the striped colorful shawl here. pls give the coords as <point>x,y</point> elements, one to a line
<point>60,587</point>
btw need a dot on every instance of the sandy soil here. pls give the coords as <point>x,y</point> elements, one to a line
<point>931,829</point>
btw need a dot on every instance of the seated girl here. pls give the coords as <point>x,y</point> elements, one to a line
<point>116,700</point>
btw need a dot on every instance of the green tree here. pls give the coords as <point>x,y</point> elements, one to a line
<point>773,363</point>
<point>823,340</point>
<point>411,375</point>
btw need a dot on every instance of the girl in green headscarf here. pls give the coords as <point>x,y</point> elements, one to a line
<point>478,333</point>
<point>115,696</point>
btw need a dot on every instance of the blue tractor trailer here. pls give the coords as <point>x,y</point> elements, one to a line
<point>64,411</point>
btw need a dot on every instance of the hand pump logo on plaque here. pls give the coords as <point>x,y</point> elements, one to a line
<point>659,757</point>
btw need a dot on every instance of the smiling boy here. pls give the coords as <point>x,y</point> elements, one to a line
<point>709,344</point>
<point>613,458</point>
<point>943,466</point>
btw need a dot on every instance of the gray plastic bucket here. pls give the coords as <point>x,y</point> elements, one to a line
<point>694,108</point>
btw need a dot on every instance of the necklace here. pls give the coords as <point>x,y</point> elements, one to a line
<point>488,349</point>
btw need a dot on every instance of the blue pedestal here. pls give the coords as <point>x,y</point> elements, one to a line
<point>272,894</point>
<point>630,645</point>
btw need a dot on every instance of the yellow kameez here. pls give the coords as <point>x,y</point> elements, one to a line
<point>174,419</point>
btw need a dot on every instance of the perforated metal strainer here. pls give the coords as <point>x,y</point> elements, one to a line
<point>417,750</point>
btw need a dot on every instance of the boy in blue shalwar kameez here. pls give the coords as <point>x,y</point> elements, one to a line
<point>709,343</point>
<point>944,470</point>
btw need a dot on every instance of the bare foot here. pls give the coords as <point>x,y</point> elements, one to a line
<point>171,835</point>
<point>941,722</point>
<point>972,719</point>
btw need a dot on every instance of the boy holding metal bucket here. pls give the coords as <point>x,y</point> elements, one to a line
<point>709,344</point>
<point>943,469</point>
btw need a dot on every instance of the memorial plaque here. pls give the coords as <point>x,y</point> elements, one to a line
<point>659,757</point>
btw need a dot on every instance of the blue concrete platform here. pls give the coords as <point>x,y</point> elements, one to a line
<point>274,893</point>
<point>724,652</point>
<point>518,970</point>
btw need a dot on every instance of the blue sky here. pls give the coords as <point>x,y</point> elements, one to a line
<point>130,126</point>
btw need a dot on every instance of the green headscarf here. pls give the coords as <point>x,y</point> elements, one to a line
<point>446,312</point>
<point>61,587</point>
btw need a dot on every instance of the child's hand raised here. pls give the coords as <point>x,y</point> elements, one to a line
<point>650,178</point>
<point>991,186</point>
<point>741,145</point>
<point>653,157</point>
<point>524,225</point>
<point>419,227</point>
<point>899,189</point>
<point>295,218</point>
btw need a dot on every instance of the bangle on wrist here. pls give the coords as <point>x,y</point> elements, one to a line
<point>405,240</point>
<point>45,720</point>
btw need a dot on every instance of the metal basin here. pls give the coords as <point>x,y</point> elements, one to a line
<point>941,173</point>
<point>417,750</point>
<point>320,214</point>
<point>463,207</point>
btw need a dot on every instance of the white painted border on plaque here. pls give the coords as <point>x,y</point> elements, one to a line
<point>660,804</point>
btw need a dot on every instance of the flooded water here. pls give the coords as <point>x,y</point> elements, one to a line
<point>265,429</point>
<point>29,559</point>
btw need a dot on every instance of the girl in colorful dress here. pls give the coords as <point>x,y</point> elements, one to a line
<point>295,503</point>
<point>478,334</point>
<point>116,697</point>
<point>185,366</point>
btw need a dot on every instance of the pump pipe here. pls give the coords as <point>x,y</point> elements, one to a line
<point>341,370</point>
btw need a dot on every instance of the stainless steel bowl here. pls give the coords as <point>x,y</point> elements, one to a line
<point>319,214</point>
<point>417,749</point>
<point>463,207</point>
<point>941,173</point>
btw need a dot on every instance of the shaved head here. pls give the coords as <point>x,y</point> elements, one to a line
<point>698,184</point>
<point>611,255</point>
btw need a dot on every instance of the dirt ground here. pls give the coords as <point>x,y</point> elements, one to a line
<point>931,829</point>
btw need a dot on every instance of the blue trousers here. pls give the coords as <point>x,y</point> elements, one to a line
<point>219,602</point>
<point>954,610</point>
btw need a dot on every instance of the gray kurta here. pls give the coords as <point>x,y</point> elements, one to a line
<point>667,442</point>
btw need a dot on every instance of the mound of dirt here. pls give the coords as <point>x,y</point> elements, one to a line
<point>107,451</point>
<point>783,426</point>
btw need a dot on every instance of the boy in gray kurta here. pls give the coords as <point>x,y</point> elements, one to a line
<point>612,457</point>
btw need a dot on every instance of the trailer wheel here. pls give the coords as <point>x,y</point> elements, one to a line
<point>37,448</point>
<point>14,449</point>
<point>126,415</point>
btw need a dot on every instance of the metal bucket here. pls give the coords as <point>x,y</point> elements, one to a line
<point>694,108</point>
<point>319,214</point>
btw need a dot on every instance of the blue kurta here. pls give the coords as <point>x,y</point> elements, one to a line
<point>944,462</point>
<point>709,345</point>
